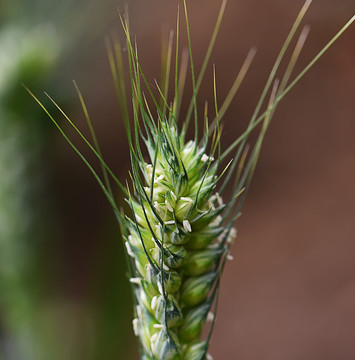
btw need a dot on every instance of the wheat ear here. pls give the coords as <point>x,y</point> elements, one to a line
<point>179,231</point>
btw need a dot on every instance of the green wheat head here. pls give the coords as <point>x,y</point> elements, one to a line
<point>179,231</point>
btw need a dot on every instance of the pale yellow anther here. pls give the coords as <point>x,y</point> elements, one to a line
<point>158,326</point>
<point>135,326</point>
<point>210,316</point>
<point>169,222</point>
<point>186,225</point>
<point>153,303</point>
<point>206,158</point>
<point>129,249</point>
<point>135,280</point>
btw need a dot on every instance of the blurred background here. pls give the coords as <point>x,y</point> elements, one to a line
<point>290,292</point>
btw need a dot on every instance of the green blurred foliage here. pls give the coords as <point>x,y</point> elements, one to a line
<point>38,318</point>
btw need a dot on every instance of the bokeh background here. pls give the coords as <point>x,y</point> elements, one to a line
<point>290,292</point>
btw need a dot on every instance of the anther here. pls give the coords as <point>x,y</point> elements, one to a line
<point>187,226</point>
<point>129,249</point>
<point>153,303</point>
<point>135,326</point>
<point>210,316</point>
<point>158,326</point>
<point>170,222</point>
<point>135,280</point>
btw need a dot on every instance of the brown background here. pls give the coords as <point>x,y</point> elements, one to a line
<point>290,292</point>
